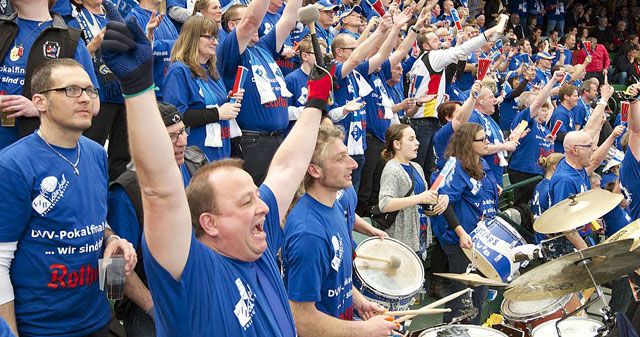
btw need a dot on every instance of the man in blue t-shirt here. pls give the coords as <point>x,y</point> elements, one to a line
<point>263,116</point>
<point>209,256</point>
<point>317,251</point>
<point>630,169</point>
<point>582,111</point>
<point>54,212</point>
<point>568,96</point>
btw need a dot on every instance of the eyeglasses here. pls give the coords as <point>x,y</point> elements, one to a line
<point>175,135</point>
<point>210,37</point>
<point>351,48</point>
<point>75,92</point>
<point>585,145</point>
<point>485,139</point>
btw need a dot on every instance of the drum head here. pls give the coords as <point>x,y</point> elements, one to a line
<point>523,310</point>
<point>406,281</point>
<point>471,330</point>
<point>571,327</point>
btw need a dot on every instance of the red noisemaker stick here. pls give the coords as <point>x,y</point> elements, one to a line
<point>241,75</point>
<point>483,67</point>
<point>556,128</point>
<point>624,111</point>
<point>446,170</point>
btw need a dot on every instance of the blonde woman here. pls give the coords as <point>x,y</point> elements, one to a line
<point>194,86</point>
<point>212,10</point>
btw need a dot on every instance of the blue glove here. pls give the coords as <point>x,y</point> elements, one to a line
<point>128,53</point>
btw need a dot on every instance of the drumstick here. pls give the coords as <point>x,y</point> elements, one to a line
<point>418,312</point>
<point>435,304</point>
<point>373,258</point>
<point>393,262</point>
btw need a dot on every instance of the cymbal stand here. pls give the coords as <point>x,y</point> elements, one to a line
<point>607,317</point>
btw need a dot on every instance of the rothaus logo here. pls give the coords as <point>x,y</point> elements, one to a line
<point>245,308</point>
<point>51,191</point>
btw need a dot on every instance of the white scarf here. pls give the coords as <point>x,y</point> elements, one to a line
<point>266,79</point>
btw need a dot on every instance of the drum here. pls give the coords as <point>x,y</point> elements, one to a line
<point>527,315</point>
<point>392,290</point>
<point>571,327</point>
<point>462,330</point>
<point>493,240</point>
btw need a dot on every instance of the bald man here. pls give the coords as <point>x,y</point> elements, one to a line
<point>572,175</point>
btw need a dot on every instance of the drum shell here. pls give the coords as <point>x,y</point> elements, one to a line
<point>473,330</point>
<point>528,322</point>
<point>571,327</point>
<point>393,302</point>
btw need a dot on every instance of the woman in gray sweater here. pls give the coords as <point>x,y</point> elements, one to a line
<point>411,225</point>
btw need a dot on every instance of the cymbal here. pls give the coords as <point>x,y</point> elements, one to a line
<point>576,211</point>
<point>630,231</point>
<point>472,279</point>
<point>567,274</point>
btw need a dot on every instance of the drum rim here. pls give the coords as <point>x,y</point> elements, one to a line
<point>508,314</point>
<point>499,333</point>
<point>379,293</point>
<point>537,328</point>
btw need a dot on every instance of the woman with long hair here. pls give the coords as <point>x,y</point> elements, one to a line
<point>473,195</point>
<point>212,10</point>
<point>194,86</point>
<point>398,175</point>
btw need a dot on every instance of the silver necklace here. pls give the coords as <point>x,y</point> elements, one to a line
<point>74,165</point>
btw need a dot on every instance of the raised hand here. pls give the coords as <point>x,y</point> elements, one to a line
<point>403,17</point>
<point>153,23</point>
<point>353,105</point>
<point>96,42</point>
<point>425,15</point>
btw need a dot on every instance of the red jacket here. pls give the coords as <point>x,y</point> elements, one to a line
<point>600,59</point>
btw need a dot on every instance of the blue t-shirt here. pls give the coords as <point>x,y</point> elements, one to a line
<point>5,331</point>
<point>419,186</point>
<point>297,84</point>
<point>376,123</point>
<point>566,116</point>
<point>164,36</point>
<point>348,199</point>
<point>568,57</point>
<point>326,34</point>
<point>542,77</point>
<point>471,199</point>
<point>186,92</point>
<point>566,181</point>
<point>539,204</point>
<point>508,108</point>
<point>122,215</point>
<point>615,220</point>
<point>317,257</point>
<point>12,73</point>
<point>440,143</point>
<point>58,219</point>
<point>347,89</point>
<point>110,91</point>
<point>253,115</point>
<point>63,7</point>
<point>268,24</point>
<point>630,182</point>
<point>494,134</point>
<point>557,14</point>
<point>532,146</point>
<point>220,295</point>
<point>466,79</point>
<point>581,113</point>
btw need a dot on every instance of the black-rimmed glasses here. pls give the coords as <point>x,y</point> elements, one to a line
<point>75,92</point>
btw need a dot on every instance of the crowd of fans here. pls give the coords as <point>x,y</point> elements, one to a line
<point>240,208</point>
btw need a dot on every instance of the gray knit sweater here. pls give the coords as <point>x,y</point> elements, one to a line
<point>395,183</point>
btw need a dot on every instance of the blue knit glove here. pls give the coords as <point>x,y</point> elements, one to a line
<point>128,53</point>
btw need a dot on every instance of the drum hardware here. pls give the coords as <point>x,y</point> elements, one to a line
<point>576,211</point>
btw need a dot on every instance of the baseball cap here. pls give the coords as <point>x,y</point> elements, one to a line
<point>544,55</point>
<point>326,5</point>
<point>169,113</point>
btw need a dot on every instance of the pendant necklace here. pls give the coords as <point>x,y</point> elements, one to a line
<point>73,165</point>
<point>18,49</point>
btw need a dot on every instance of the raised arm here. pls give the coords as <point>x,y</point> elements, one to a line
<point>167,226</point>
<point>287,22</point>
<point>634,128</point>
<point>290,162</point>
<point>598,117</point>
<point>544,93</point>
<point>405,47</point>
<point>362,51</point>
<point>390,41</point>
<point>250,22</point>
<point>601,152</point>
<point>462,115</point>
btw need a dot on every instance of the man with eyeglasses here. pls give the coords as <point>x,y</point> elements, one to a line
<point>263,116</point>
<point>54,211</point>
<point>126,219</point>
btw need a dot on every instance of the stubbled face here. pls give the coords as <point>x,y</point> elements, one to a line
<point>335,171</point>
<point>178,135</point>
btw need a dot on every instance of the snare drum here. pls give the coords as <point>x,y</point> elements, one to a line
<point>394,291</point>
<point>460,330</point>
<point>571,327</point>
<point>493,240</point>
<point>527,315</point>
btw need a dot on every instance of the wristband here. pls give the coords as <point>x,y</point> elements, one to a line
<point>318,104</point>
<point>413,29</point>
<point>112,236</point>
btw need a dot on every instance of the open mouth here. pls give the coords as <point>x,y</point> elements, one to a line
<point>258,229</point>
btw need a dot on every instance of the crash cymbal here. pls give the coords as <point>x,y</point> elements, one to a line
<point>472,279</point>
<point>630,231</point>
<point>576,211</point>
<point>567,274</point>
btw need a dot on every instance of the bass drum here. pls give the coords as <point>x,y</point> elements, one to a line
<point>571,327</point>
<point>527,315</point>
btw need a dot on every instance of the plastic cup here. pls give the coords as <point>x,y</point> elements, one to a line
<point>5,120</point>
<point>114,277</point>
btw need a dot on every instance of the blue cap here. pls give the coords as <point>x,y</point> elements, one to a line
<point>544,55</point>
<point>348,11</point>
<point>326,5</point>
<point>607,178</point>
